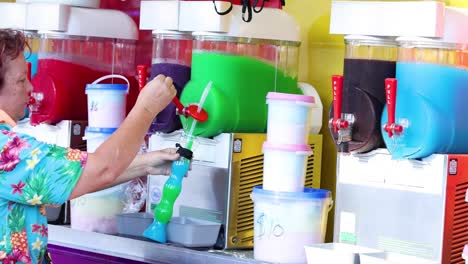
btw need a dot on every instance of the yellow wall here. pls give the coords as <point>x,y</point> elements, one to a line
<point>459,3</point>
<point>322,55</point>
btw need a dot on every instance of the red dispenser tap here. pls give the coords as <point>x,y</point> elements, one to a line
<point>142,73</point>
<point>31,101</point>
<point>29,71</point>
<point>337,122</point>
<point>390,91</point>
<point>190,110</point>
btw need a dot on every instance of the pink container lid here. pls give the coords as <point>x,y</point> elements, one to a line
<point>290,97</point>
<point>285,147</point>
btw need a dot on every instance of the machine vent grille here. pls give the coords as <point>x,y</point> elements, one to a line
<point>309,179</point>
<point>460,224</point>
<point>251,173</point>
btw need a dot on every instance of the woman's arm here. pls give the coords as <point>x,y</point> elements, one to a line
<point>114,156</point>
<point>155,163</point>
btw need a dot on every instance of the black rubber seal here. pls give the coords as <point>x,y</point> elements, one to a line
<point>183,152</point>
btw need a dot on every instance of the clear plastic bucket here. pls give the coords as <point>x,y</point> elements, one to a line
<point>285,222</point>
<point>107,102</point>
<point>97,212</point>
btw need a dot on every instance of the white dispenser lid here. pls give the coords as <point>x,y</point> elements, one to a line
<point>200,16</point>
<point>12,15</point>
<point>430,19</point>
<point>77,21</point>
<point>77,3</point>
<point>271,23</point>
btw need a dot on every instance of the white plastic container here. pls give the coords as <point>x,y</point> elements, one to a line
<point>96,136</point>
<point>97,211</point>
<point>78,3</point>
<point>336,253</point>
<point>107,102</point>
<point>289,118</point>
<point>393,258</point>
<point>285,222</point>
<point>465,254</point>
<point>284,167</point>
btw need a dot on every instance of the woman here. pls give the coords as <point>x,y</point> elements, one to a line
<point>34,173</point>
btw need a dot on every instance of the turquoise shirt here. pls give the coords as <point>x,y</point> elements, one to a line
<point>32,174</point>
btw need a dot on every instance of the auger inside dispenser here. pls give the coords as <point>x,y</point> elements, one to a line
<point>359,96</point>
<point>431,87</point>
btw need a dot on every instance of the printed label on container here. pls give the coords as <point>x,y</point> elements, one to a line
<point>347,227</point>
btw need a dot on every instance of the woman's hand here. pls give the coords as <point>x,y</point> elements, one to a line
<point>159,162</point>
<point>156,95</point>
<point>155,162</point>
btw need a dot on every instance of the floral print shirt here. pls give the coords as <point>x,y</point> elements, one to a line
<point>32,174</point>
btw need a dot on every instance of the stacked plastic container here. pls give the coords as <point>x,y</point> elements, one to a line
<point>106,111</point>
<point>287,216</point>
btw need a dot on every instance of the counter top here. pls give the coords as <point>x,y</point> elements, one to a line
<point>141,250</point>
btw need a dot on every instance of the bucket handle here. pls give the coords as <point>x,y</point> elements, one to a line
<point>330,206</point>
<point>118,76</point>
<point>309,90</point>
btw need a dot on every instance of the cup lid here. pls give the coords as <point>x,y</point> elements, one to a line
<point>103,130</point>
<point>108,86</point>
<point>290,97</point>
<point>308,193</point>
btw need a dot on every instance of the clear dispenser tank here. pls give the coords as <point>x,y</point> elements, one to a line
<point>172,56</point>
<point>431,92</point>
<point>368,61</point>
<point>66,64</point>
<point>242,71</point>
